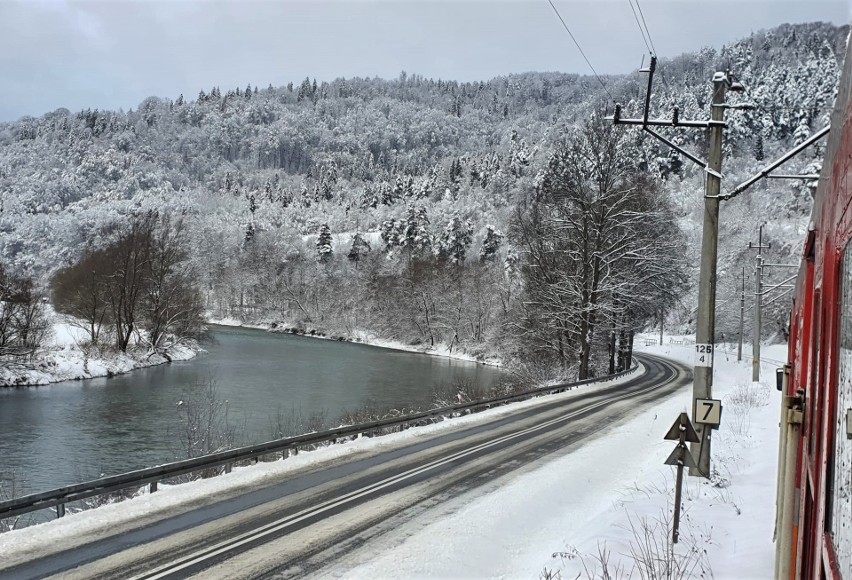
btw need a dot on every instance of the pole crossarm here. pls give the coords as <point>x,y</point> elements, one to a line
<point>766,171</point>
<point>792,176</point>
<point>666,122</point>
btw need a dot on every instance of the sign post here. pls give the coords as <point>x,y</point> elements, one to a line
<point>681,431</point>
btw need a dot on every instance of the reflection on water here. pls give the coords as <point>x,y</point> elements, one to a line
<point>67,432</point>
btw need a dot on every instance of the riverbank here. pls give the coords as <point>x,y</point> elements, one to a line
<point>66,356</point>
<point>363,337</point>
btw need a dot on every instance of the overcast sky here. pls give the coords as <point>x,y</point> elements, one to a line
<point>113,54</point>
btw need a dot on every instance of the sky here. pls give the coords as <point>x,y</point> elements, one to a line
<point>113,54</point>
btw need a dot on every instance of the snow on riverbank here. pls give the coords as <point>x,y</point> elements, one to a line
<point>65,356</point>
<point>365,337</point>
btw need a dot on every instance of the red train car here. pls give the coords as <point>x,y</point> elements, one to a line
<point>814,516</point>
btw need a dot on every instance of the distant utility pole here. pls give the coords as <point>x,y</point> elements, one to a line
<point>758,299</point>
<point>706,319</point>
<point>742,316</point>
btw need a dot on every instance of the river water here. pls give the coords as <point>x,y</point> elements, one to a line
<point>77,430</point>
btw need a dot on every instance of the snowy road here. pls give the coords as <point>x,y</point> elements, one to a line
<point>324,519</point>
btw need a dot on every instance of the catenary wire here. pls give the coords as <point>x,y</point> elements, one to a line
<point>568,30</point>
<point>651,40</point>
<point>641,31</point>
<point>646,37</point>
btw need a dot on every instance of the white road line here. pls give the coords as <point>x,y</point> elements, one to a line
<point>273,527</point>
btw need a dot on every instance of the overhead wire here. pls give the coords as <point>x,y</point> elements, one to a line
<point>646,36</point>
<point>651,40</point>
<point>641,31</point>
<point>588,62</point>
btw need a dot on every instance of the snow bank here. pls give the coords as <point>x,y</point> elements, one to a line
<point>66,356</point>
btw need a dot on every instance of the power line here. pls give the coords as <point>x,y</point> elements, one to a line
<point>568,30</point>
<point>642,32</point>
<point>646,28</point>
<point>646,37</point>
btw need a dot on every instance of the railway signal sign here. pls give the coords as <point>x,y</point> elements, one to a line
<point>681,431</point>
<point>704,355</point>
<point>708,412</point>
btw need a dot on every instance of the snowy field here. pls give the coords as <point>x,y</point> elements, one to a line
<point>613,496</point>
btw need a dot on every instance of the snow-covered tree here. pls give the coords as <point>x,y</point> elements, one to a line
<point>324,251</point>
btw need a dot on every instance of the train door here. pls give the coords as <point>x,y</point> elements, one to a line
<point>810,442</point>
<point>838,519</point>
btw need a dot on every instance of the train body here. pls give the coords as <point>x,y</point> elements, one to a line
<point>814,515</point>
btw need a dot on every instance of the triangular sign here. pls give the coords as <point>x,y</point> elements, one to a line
<point>675,430</point>
<point>681,453</point>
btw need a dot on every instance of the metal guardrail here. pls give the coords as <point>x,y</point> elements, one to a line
<point>152,475</point>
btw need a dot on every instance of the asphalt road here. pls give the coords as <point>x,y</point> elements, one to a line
<point>316,516</point>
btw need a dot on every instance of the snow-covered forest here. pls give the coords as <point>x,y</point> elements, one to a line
<point>430,211</point>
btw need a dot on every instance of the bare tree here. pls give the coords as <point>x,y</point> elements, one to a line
<point>595,237</point>
<point>144,277</point>
<point>130,258</point>
<point>80,292</point>
<point>171,302</point>
<point>23,323</point>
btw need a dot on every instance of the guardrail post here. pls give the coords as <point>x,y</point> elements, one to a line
<point>152,487</point>
<point>60,510</point>
<point>228,467</point>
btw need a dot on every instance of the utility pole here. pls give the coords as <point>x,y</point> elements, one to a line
<point>758,298</point>
<point>742,316</point>
<point>705,332</point>
<point>706,323</point>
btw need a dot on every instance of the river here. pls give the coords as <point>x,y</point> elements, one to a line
<point>77,430</point>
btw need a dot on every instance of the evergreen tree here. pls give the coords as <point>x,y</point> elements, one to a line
<point>390,234</point>
<point>359,248</point>
<point>324,251</point>
<point>455,240</point>
<point>490,244</point>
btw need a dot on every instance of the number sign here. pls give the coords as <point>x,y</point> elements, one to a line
<point>708,411</point>
<point>704,355</point>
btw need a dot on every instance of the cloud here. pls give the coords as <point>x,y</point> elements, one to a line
<point>114,54</point>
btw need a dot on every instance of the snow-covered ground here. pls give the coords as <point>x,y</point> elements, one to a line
<point>66,356</point>
<point>613,495</point>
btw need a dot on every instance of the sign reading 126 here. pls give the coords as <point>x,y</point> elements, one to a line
<point>704,355</point>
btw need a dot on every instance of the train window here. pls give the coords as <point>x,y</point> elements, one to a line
<point>839,496</point>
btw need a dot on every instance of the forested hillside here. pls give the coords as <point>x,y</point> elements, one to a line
<point>405,208</point>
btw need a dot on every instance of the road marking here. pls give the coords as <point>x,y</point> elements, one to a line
<point>273,527</point>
